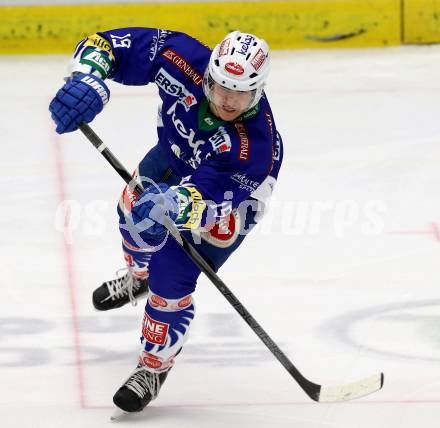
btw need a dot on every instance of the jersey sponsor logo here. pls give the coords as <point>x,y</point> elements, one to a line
<point>121,41</point>
<point>188,135</point>
<point>234,68</point>
<point>154,331</point>
<point>173,87</point>
<point>269,122</point>
<point>245,182</point>
<point>158,42</point>
<point>245,44</point>
<point>277,148</point>
<point>209,121</point>
<point>189,101</point>
<point>274,147</point>
<point>224,47</point>
<point>97,87</point>
<point>221,141</point>
<point>258,60</point>
<point>97,60</point>
<point>97,41</point>
<point>244,142</point>
<point>183,65</point>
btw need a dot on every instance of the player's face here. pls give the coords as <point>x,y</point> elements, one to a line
<point>227,104</point>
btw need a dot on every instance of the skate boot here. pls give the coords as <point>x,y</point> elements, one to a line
<point>118,292</point>
<point>139,389</point>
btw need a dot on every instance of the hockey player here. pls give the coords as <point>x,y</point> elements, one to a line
<point>216,163</point>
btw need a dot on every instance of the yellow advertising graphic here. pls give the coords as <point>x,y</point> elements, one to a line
<point>421,21</point>
<point>288,24</point>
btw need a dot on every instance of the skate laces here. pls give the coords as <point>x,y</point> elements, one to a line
<point>123,285</point>
<point>142,381</point>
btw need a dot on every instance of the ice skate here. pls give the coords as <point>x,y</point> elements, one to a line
<point>118,292</point>
<point>138,390</point>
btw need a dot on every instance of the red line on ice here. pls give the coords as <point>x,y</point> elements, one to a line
<point>435,230</point>
<point>432,230</point>
<point>70,276</point>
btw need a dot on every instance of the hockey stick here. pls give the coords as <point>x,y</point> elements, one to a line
<point>314,391</point>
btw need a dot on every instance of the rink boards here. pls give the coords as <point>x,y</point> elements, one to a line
<point>290,24</point>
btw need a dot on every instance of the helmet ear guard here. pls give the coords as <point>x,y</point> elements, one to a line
<point>240,62</point>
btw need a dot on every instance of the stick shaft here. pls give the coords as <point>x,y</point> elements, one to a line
<point>311,389</point>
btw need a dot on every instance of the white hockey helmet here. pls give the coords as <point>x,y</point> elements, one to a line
<point>240,62</point>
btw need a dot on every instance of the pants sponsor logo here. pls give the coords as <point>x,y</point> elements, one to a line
<point>154,331</point>
<point>183,65</point>
<point>225,232</point>
<point>173,87</point>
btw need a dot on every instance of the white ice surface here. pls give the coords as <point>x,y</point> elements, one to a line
<point>343,273</point>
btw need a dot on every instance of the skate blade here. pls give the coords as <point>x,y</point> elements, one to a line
<point>117,415</point>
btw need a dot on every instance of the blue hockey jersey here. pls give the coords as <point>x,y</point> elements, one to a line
<point>243,156</point>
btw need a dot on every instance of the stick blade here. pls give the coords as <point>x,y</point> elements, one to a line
<point>351,391</point>
<point>117,415</point>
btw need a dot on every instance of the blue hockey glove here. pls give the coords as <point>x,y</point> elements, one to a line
<point>81,98</point>
<point>147,217</point>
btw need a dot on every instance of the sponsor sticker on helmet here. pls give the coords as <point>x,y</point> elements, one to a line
<point>234,68</point>
<point>246,43</point>
<point>258,59</point>
<point>224,47</point>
